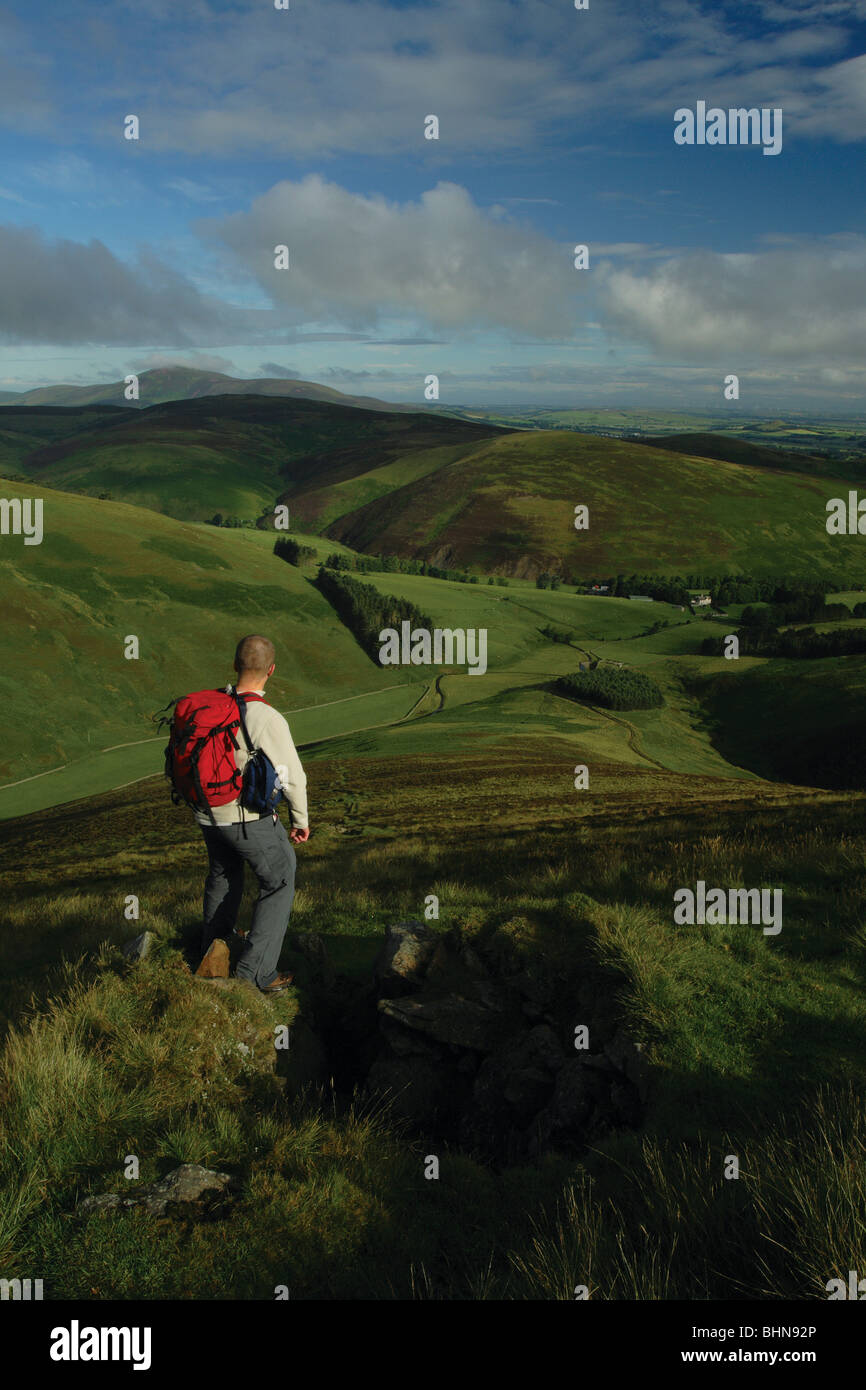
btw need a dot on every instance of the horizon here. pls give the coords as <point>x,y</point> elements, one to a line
<point>515,406</point>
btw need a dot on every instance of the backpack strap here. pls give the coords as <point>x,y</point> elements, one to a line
<point>240,701</point>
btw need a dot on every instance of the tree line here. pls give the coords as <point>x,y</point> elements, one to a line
<point>807,596</point>
<point>398,564</point>
<point>364,611</point>
<point>797,642</point>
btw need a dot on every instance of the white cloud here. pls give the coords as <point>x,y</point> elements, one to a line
<point>444,260</point>
<point>802,303</point>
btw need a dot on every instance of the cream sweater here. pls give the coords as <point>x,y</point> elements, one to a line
<point>269,731</point>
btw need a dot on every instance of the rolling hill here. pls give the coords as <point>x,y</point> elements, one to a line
<point>105,571</point>
<point>228,454</point>
<point>508,507</point>
<point>449,491</point>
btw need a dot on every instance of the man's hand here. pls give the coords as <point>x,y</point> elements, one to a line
<point>298,837</point>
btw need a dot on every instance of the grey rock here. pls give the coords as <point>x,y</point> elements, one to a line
<point>462,972</point>
<point>452,1019</point>
<point>510,1089</point>
<point>473,963</point>
<point>407,949</point>
<point>534,993</point>
<point>526,1092</point>
<point>190,1186</point>
<point>406,1042</point>
<point>139,947</point>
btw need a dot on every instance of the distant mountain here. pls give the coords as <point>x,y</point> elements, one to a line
<point>162,384</point>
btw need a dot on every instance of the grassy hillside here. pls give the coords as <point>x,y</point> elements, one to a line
<point>106,570</point>
<point>508,507</point>
<point>26,428</point>
<point>234,454</point>
<point>447,490</point>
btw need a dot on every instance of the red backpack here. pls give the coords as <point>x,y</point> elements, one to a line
<point>200,757</point>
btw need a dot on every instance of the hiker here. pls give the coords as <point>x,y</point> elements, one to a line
<point>236,835</point>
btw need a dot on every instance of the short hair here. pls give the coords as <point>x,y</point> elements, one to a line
<point>254,656</point>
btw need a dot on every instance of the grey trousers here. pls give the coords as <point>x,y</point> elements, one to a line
<point>270,854</point>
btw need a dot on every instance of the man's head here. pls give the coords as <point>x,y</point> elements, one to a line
<point>254,661</point>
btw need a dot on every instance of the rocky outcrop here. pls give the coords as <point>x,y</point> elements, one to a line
<point>458,1046</point>
<point>484,1059</point>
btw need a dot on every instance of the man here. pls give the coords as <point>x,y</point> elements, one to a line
<point>243,837</point>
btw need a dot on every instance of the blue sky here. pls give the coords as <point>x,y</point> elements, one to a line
<point>453,256</point>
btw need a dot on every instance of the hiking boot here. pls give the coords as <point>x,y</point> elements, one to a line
<point>215,962</point>
<point>277,986</point>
